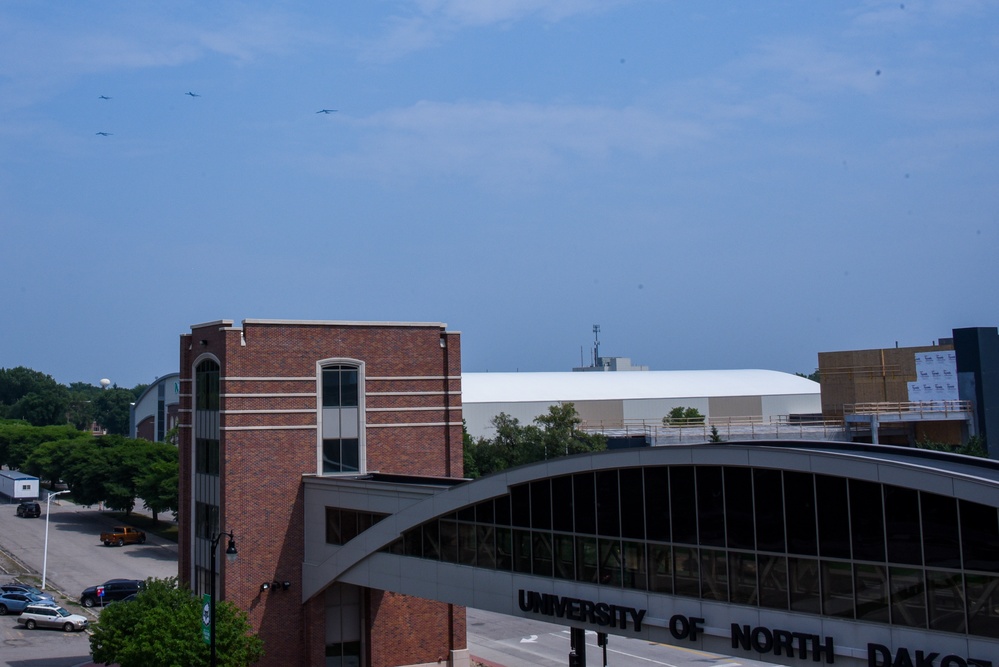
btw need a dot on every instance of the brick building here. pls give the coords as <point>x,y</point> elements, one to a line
<point>271,403</point>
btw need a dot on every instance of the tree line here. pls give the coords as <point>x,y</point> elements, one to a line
<point>553,434</point>
<point>111,470</point>
<point>38,399</point>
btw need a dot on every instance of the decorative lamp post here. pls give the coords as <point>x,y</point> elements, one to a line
<point>45,551</point>
<point>230,554</point>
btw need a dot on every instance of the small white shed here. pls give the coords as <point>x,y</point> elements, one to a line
<point>18,485</point>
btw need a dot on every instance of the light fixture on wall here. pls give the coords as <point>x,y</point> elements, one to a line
<point>264,586</point>
<point>286,585</point>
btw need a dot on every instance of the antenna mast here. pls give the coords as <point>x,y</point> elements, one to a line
<point>596,344</point>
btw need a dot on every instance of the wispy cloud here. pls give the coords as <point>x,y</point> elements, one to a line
<point>429,22</point>
<point>503,144</point>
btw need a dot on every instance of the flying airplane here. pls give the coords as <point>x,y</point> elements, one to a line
<point>104,97</point>
<point>192,94</point>
<point>326,111</point>
<point>104,134</point>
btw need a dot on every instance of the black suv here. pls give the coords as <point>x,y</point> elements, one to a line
<point>110,591</point>
<point>29,508</point>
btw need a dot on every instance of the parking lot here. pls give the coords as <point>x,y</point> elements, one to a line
<point>76,560</point>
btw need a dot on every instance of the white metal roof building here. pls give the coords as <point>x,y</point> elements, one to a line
<point>615,399</point>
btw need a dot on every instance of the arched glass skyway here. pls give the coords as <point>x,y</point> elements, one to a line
<point>848,541</point>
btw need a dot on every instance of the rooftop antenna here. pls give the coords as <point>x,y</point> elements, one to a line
<point>596,344</point>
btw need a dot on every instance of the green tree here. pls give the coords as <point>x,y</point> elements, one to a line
<point>162,628</point>
<point>111,410</point>
<point>681,416</point>
<point>814,377</point>
<point>19,439</point>
<point>49,459</point>
<point>158,484</point>
<point>974,447</point>
<point>553,434</point>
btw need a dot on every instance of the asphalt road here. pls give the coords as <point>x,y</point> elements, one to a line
<point>76,559</point>
<point>498,640</point>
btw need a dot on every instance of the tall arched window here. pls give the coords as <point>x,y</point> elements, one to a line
<point>342,407</point>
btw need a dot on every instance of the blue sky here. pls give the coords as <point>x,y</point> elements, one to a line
<point>716,184</point>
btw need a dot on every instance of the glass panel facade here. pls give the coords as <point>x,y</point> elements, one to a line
<point>786,540</point>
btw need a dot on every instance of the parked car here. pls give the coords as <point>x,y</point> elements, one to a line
<point>29,509</point>
<point>15,603</point>
<point>15,587</point>
<point>120,535</point>
<point>110,591</point>
<point>42,616</point>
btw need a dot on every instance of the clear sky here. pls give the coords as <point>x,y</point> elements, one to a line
<point>716,184</point>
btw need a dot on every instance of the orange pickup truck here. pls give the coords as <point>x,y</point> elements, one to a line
<point>119,535</point>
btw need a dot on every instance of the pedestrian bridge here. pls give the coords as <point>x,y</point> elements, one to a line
<point>780,551</point>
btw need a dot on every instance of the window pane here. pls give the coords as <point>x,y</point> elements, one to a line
<point>584,503</point>
<point>710,507</point>
<point>485,544</point>
<point>714,575</point>
<point>908,597</point>
<point>448,540</point>
<point>608,517</point>
<point>871,586</point>
<point>866,519</point>
<point>834,519</point>
<point>635,569</point>
<point>686,580</point>
<point>743,588</point>
<point>769,500</point>
<point>980,536</point>
<point>803,578</point>
<point>740,527</point>
<point>905,543</point>
<point>586,559</point>
<point>773,581</point>
<point>331,456</point>
<point>484,512</point>
<point>520,501</point>
<point>348,525</point>
<point>683,515</point>
<point>541,553</point>
<point>945,601</point>
<point>632,504</point>
<point>837,589</point>
<point>610,562</point>
<point>331,387</point>
<point>562,503</point>
<point>348,388</point>
<point>661,568</point>
<point>431,540</point>
<point>466,544</point>
<point>799,510</point>
<point>541,505</point>
<point>349,451</point>
<point>941,542</point>
<point>657,503</point>
<point>565,561</point>
<point>983,605</point>
<point>522,551</point>
<point>504,549</point>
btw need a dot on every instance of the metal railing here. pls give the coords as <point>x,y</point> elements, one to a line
<point>908,408</point>
<point>726,428</point>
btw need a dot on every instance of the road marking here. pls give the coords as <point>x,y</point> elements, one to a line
<point>529,640</point>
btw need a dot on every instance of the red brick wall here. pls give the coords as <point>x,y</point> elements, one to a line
<point>262,494</point>
<point>417,627</point>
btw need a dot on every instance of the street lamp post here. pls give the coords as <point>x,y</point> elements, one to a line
<point>45,551</point>
<point>230,554</point>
